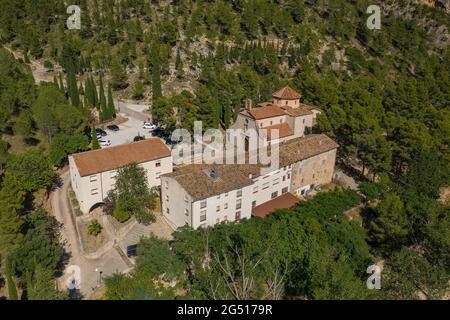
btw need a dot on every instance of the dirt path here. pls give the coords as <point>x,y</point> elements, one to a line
<point>89,272</point>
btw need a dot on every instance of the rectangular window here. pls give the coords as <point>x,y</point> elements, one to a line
<point>202,215</point>
<point>167,184</point>
<point>284,190</point>
<point>238,204</point>
<point>167,197</point>
<point>237,216</point>
<point>284,178</point>
<point>265,185</point>
<point>274,194</point>
<point>186,212</point>
<point>94,191</point>
<point>225,206</point>
<point>93,178</point>
<point>167,210</point>
<point>289,175</point>
<point>253,204</point>
<point>217,208</point>
<point>186,199</point>
<point>239,193</point>
<point>158,164</point>
<point>203,204</point>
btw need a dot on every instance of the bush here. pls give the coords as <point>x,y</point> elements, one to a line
<point>48,64</point>
<point>120,213</point>
<point>94,228</point>
<point>372,190</point>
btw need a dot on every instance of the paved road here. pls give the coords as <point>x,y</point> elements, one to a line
<point>109,263</point>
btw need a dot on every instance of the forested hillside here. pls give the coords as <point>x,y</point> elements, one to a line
<point>385,95</point>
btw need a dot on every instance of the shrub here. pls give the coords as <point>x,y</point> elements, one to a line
<point>94,228</point>
<point>120,213</point>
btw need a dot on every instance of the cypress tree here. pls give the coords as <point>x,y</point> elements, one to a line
<point>179,66</point>
<point>102,102</point>
<point>72,87</point>
<point>12,291</point>
<point>111,107</point>
<point>61,84</point>
<point>95,143</point>
<point>94,94</point>
<point>55,81</point>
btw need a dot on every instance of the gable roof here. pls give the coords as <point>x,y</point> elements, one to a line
<point>266,110</point>
<point>303,148</point>
<point>96,161</point>
<point>301,110</point>
<point>285,201</point>
<point>283,130</point>
<point>195,180</point>
<point>199,185</point>
<point>286,93</point>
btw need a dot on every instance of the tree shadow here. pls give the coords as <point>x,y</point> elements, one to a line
<point>31,141</point>
<point>57,183</point>
<point>74,294</point>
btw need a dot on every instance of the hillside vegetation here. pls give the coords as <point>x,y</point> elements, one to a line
<point>385,95</point>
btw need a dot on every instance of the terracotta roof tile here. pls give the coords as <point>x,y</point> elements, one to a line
<point>301,110</point>
<point>303,148</point>
<point>266,110</point>
<point>285,201</point>
<point>195,180</point>
<point>283,130</point>
<point>286,93</point>
<point>95,161</point>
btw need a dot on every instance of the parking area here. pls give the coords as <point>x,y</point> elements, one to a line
<point>126,133</point>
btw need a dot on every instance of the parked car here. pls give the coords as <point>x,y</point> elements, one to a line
<point>100,132</point>
<point>138,138</point>
<point>113,127</point>
<point>104,143</point>
<point>148,125</point>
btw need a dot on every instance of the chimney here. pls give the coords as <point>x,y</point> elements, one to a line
<point>248,104</point>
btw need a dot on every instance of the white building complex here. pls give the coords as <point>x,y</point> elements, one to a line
<point>93,172</point>
<point>200,195</point>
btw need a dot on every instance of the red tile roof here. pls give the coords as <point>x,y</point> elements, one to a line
<point>283,130</point>
<point>95,161</point>
<point>266,110</point>
<point>285,201</point>
<point>286,93</point>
